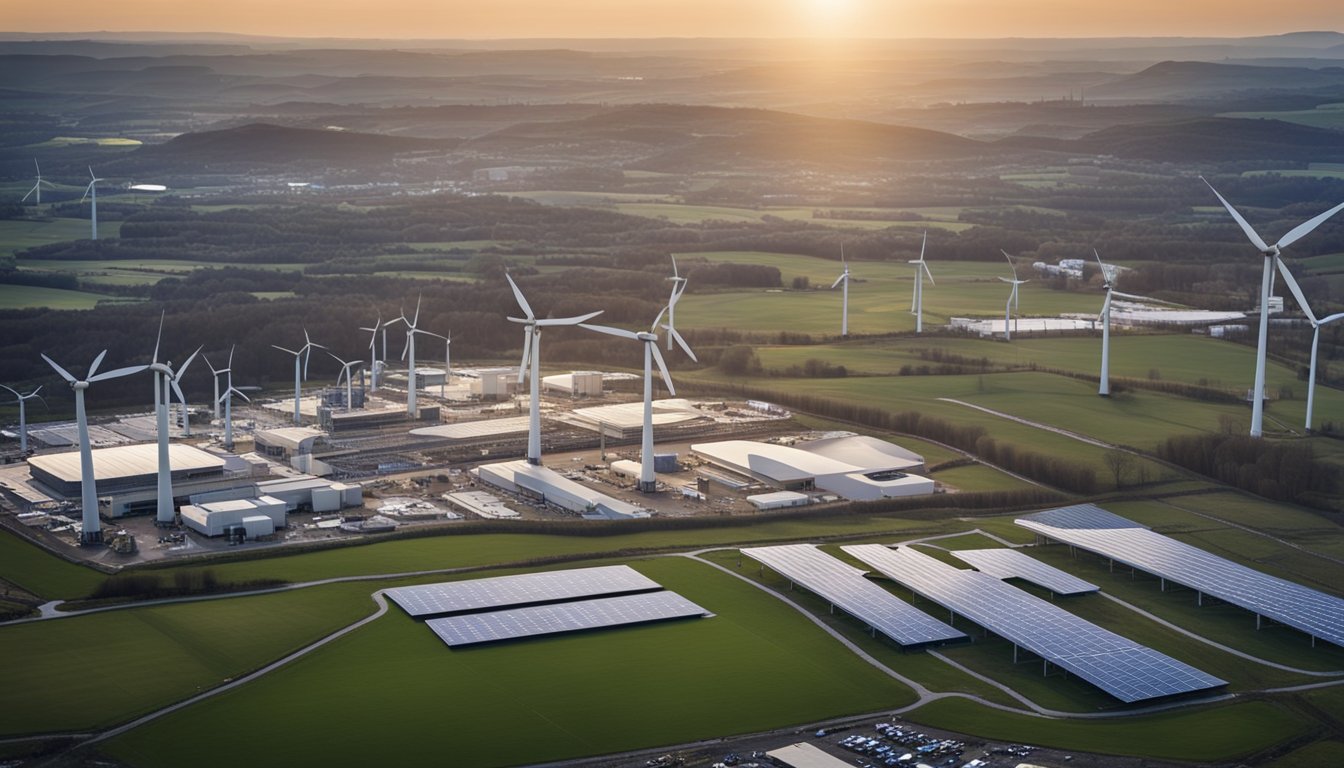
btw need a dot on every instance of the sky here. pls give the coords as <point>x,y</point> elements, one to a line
<point>483,19</point>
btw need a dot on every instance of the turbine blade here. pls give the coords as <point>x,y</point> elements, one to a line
<point>1294,288</point>
<point>1250,233</point>
<point>118,373</point>
<point>924,243</point>
<point>527,355</point>
<point>1010,262</point>
<point>282,349</point>
<point>675,273</point>
<point>240,394</point>
<point>924,264</point>
<point>64,373</point>
<point>230,365</point>
<point>1331,319</point>
<point>97,361</point>
<point>181,398</point>
<point>30,194</point>
<point>610,331</point>
<point>839,279</point>
<point>11,389</point>
<point>183,370</point>
<point>662,367</point>
<point>654,327</point>
<point>576,320</point>
<point>517,294</point>
<point>415,323</point>
<point>158,337</point>
<point>1301,230</point>
<point>682,343</point>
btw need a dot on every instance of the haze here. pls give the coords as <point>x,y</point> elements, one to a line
<point>676,18</point>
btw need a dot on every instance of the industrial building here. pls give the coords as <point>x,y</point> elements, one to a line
<point>551,487</point>
<point>853,467</point>
<point>286,442</point>
<point>295,493</point>
<point>625,421</point>
<point>574,384</point>
<point>255,517</point>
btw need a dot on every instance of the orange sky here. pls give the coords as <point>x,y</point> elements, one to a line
<point>679,18</point>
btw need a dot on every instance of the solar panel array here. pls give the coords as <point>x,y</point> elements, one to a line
<point>845,587</point>
<point>1119,666</point>
<point>474,628</point>
<point>1096,530</point>
<point>524,589</point>
<point>1012,564</point>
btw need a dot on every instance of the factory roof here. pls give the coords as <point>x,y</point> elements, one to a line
<point>631,415</point>
<point>289,437</point>
<point>863,451</point>
<point>779,462</point>
<point>126,461</point>
<point>470,430</point>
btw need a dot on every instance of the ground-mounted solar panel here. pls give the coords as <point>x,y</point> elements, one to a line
<point>1014,564</point>
<point>845,587</point>
<point>576,616</point>
<point>1117,665</point>
<point>1096,530</point>
<point>453,597</point>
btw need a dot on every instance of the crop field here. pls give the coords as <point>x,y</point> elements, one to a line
<point>661,684</point>
<point>93,671</point>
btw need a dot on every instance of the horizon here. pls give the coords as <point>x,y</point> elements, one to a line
<point>835,20</point>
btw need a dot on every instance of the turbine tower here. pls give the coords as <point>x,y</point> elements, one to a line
<point>23,416</point>
<point>647,481</point>
<point>37,188</point>
<point>349,386</point>
<point>227,397</point>
<point>300,354</point>
<point>1104,389</point>
<point>91,192</point>
<point>447,358</point>
<point>844,302</point>
<point>91,530</point>
<point>1315,331</point>
<point>163,397</point>
<point>1012,296</point>
<point>532,354</point>
<point>373,351</point>
<point>678,288</point>
<point>917,304</point>
<point>411,329</point>
<point>1270,252</point>
<point>181,398</point>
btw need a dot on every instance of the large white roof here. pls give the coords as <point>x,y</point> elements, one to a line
<point>469,430</point>
<point>864,451</point>
<point>631,415</point>
<point>126,461</point>
<point>779,462</point>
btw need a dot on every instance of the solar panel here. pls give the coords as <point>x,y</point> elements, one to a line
<point>476,628</point>
<point>845,587</point>
<point>1013,564</point>
<point>452,597</point>
<point>1096,530</point>
<point>1117,665</point>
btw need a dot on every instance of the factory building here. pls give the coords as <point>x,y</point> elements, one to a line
<point>551,487</point>
<point>574,384</point>
<point>865,469</point>
<point>625,421</point>
<point>256,517</point>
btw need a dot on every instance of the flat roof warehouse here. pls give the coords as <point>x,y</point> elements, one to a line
<point>123,467</point>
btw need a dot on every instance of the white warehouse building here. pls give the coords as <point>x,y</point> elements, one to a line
<point>854,467</point>
<point>258,517</point>
<point>554,488</point>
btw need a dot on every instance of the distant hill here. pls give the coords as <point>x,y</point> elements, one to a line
<point>1173,80</point>
<point>263,143</point>
<point>1205,139</point>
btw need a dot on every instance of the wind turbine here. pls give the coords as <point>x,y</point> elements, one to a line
<point>373,350</point>
<point>844,305</point>
<point>532,354</point>
<point>91,192</point>
<point>349,386</point>
<point>917,304</point>
<point>23,416</point>
<point>1106,279</point>
<point>412,328</point>
<point>170,385</point>
<point>678,288</point>
<point>227,397</point>
<point>37,188</point>
<point>1270,252</point>
<point>92,527</point>
<point>447,358</point>
<point>647,481</point>
<point>300,354</point>
<point>1315,335</point>
<point>1012,297</point>
<point>181,398</point>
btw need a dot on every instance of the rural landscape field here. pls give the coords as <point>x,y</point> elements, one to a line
<point>1021,269</point>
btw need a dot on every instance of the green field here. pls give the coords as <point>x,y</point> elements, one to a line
<point>661,684</point>
<point>41,572</point>
<point>19,234</point>
<point>32,297</point>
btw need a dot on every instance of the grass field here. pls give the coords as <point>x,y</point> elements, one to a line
<point>41,572</point>
<point>19,234</point>
<point>31,297</point>
<point>661,684</point>
<point>93,671</point>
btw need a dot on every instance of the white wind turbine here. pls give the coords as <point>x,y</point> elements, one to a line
<point>1106,284</point>
<point>647,482</point>
<point>678,288</point>
<point>300,354</point>
<point>23,415</point>
<point>373,351</point>
<point>181,398</point>
<point>1012,297</point>
<point>917,304</point>
<point>1315,334</point>
<point>92,528</point>
<point>412,328</point>
<point>1270,252</point>
<point>37,188</point>
<point>346,370</point>
<point>532,354</point>
<point>170,378</point>
<point>91,192</point>
<point>844,303</point>
<point>447,359</point>
<point>227,397</point>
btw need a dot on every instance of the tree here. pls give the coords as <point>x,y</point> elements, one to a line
<point>1120,462</point>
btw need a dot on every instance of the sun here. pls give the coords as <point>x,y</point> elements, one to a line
<point>828,17</point>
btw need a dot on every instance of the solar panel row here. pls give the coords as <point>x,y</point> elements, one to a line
<point>1125,669</point>
<point>845,587</point>
<point>1012,564</point>
<point>1097,530</point>
<point>474,628</point>
<point>524,589</point>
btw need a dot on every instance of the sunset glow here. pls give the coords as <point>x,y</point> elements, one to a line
<point>675,18</point>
